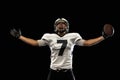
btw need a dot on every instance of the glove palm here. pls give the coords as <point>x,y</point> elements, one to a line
<point>15,33</point>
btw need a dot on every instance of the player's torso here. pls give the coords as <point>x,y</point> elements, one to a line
<point>62,45</point>
<point>61,49</point>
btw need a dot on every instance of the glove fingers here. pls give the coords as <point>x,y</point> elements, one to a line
<point>15,33</point>
<point>19,31</point>
<point>12,32</point>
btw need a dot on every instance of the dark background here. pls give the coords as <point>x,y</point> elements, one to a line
<point>22,61</point>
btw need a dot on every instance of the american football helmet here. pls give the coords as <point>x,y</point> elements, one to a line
<point>61,20</point>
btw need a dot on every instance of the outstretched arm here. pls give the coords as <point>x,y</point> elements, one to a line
<point>33,42</point>
<point>29,40</point>
<point>108,31</point>
<point>94,41</point>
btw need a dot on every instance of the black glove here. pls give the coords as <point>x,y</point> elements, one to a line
<point>105,35</point>
<point>15,33</point>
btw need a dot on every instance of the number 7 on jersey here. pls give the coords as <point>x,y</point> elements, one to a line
<point>64,44</point>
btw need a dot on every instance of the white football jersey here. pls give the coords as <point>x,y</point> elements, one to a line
<point>61,48</point>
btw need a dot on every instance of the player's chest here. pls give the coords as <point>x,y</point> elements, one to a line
<point>61,42</point>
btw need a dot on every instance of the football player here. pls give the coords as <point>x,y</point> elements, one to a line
<point>61,44</point>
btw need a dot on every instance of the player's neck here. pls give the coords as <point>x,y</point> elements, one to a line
<point>61,34</point>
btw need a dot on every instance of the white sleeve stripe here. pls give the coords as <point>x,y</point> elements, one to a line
<point>80,42</point>
<point>41,42</point>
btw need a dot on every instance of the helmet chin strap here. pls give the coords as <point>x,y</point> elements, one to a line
<point>61,33</point>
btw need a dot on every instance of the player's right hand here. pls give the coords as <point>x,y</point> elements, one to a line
<point>15,33</point>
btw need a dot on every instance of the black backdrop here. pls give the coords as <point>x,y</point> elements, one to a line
<point>22,61</point>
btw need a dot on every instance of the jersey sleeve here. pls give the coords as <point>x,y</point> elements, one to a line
<point>44,40</point>
<point>79,40</point>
